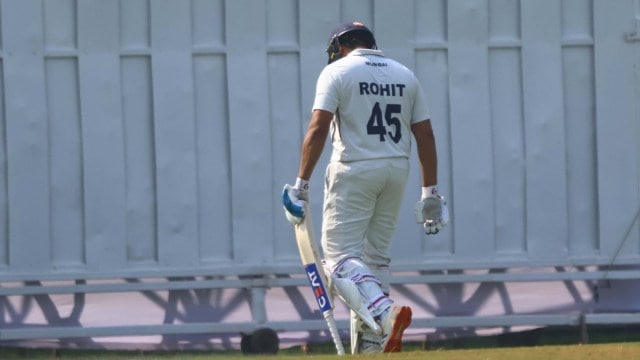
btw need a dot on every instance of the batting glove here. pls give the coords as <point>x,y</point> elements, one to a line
<point>431,210</point>
<point>294,200</point>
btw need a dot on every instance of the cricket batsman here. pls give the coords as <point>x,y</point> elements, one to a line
<point>372,106</point>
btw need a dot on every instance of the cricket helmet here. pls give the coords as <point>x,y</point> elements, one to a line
<point>349,34</point>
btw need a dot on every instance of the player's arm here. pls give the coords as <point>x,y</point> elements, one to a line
<point>294,197</point>
<point>431,210</point>
<point>426,145</point>
<point>314,142</point>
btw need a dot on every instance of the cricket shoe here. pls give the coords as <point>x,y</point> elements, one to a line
<point>370,343</point>
<point>393,324</point>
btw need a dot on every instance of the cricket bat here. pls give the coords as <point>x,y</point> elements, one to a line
<point>310,256</point>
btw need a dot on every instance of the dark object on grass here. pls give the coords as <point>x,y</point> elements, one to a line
<point>262,341</point>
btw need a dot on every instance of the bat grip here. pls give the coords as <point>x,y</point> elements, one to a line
<point>333,329</point>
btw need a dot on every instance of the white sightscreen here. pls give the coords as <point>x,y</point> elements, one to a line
<point>152,138</point>
<point>157,135</point>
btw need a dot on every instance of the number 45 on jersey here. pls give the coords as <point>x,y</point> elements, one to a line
<point>378,123</point>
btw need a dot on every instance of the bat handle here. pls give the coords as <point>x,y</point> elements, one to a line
<point>333,329</point>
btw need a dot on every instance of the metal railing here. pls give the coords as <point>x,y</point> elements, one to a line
<point>258,285</point>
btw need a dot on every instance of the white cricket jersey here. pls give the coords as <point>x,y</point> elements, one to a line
<point>374,100</point>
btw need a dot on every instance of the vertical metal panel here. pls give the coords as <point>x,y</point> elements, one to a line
<point>544,129</point>
<point>505,73</point>
<point>135,29</point>
<point>617,129</point>
<point>141,196</point>
<point>27,135</point>
<point>579,110</point>
<point>4,170</point>
<point>431,21</point>
<point>67,205</point>
<point>102,134</point>
<point>214,167</point>
<point>357,10</point>
<point>138,127</point>
<point>251,147</point>
<point>282,33</point>
<point>635,231</point>
<point>473,205</point>
<point>284,101</point>
<point>212,123</point>
<point>175,132</point>
<point>60,25</point>
<point>577,20</point>
<point>432,69</point>
<point>504,21</point>
<point>208,23</point>
<point>61,69</point>
<point>285,113</point>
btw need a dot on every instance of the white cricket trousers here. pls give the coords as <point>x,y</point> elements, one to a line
<point>362,200</point>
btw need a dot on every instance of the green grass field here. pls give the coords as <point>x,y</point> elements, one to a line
<point>620,342</point>
<point>626,351</point>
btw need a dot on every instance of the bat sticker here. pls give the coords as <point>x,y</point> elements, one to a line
<point>318,287</point>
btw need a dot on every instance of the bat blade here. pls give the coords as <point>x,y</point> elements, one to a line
<point>310,256</point>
